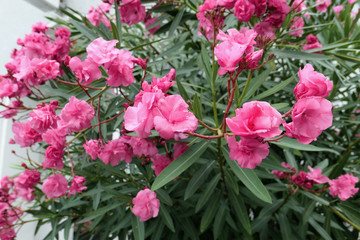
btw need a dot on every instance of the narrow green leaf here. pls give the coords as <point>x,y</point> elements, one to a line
<point>285,227</point>
<point>339,166</point>
<point>205,62</point>
<point>248,178</point>
<point>167,218</point>
<point>87,32</point>
<point>308,211</point>
<point>219,221</point>
<point>299,55</point>
<point>175,23</point>
<point>164,197</point>
<point>180,164</point>
<point>198,179</point>
<point>319,229</point>
<point>197,107</point>
<point>67,228</point>
<point>316,198</point>
<point>138,228</point>
<point>240,211</point>
<point>274,89</point>
<point>255,83</point>
<point>294,144</point>
<point>182,91</point>
<point>351,211</point>
<point>118,22</point>
<point>209,213</point>
<point>210,188</point>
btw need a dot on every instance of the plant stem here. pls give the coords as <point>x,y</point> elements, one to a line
<point>344,218</point>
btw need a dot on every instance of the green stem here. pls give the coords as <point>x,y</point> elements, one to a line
<point>213,90</point>
<point>344,218</point>
<point>245,89</point>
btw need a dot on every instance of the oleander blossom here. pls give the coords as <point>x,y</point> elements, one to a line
<point>54,157</point>
<point>173,117</point>
<point>310,115</point>
<point>92,148</point>
<point>281,174</point>
<point>248,152</point>
<point>255,119</point>
<point>25,135</point>
<point>86,71</point>
<point>97,15</point>
<point>77,114</point>
<point>77,185</point>
<point>132,12</point>
<point>55,186</point>
<point>160,162</point>
<point>146,205</point>
<point>316,176</point>
<point>311,43</point>
<point>323,6</point>
<point>44,117</point>
<point>344,186</point>
<point>312,84</point>
<point>244,10</point>
<point>115,151</point>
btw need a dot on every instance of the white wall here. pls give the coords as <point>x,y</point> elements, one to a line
<point>16,18</point>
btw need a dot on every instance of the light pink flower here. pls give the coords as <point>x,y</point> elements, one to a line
<point>101,51</point>
<point>86,71</point>
<point>77,114</point>
<point>77,185</point>
<point>160,162</point>
<point>344,186</point>
<point>174,117</point>
<point>316,176</point>
<point>39,27</point>
<point>93,148</point>
<point>162,84</point>
<point>310,117</point>
<point>27,179</point>
<point>7,88</point>
<point>115,151</point>
<point>265,31</point>
<point>298,24</point>
<point>141,146</point>
<point>351,1</point>
<point>255,119</point>
<point>338,9</point>
<point>244,10</point>
<point>146,205</point>
<point>323,6</point>
<point>248,152</point>
<point>54,157</point>
<point>44,117</point>
<point>229,55</point>
<point>25,136</point>
<point>244,37</point>
<point>312,84</point>
<point>56,136</point>
<point>132,12</point>
<point>55,186</point>
<point>96,15</point>
<point>252,59</point>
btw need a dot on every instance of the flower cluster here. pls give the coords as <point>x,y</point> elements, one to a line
<point>343,186</point>
<point>57,186</point>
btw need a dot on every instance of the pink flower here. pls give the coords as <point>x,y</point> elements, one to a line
<point>7,88</point>
<point>344,186</point>
<point>179,149</point>
<point>146,205</point>
<point>86,71</point>
<point>323,6</point>
<point>280,174</point>
<point>132,12</point>
<point>351,1</point>
<point>43,117</point>
<point>160,162</point>
<point>338,9</point>
<point>301,179</point>
<point>252,59</point>
<point>247,152</point>
<point>244,37</point>
<point>101,51</point>
<point>298,24</point>
<point>141,146</point>
<point>54,157</point>
<point>115,151</point>
<point>265,31</point>
<point>93,148</point>
<point>140,118</point>
<point>120,69</point>
<point>312,84</point>
<point>310,117</point>
<point>174,117</point>
<point>279,6</point>
<point>56,136</point>
<point>260,6</point>
<point>148,22</point>
<point>12,109</point>
<point>244,10</point>
<point>77,185</point>
<point>77,114</point>
<point>228,55</point>
<point>316,176</point>
<point>162,84</point>
<point>255,119</point>
<point>27,179</point>
<point>40,27</point>
<point>55,186</point>
<point>311,43</point>
<point>96,15</point>
<point>25,136</point>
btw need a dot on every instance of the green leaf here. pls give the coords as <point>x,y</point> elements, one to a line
<point>182,91</point>
<point>167,218</point>
<point>274,89</point>
<point>198,179</point>
<point>240,211</point>
<point>205,62</point>
<point>118,22</point>
<point>164,197</point>
<point>284,53</point>
<point>219,221</point>
<point>87,32</point>
<point>197,107</point>
<point>175,23</point>
<point>339,166</point>
<point>285,227</point>
<point>319,229</point>
<point>316,198</point>
<point>209,213</point>
<point>351,211</point>
<point>180,164</point>
<point>210,188</point>
<point>67,227</point>
<point>248,178</point>
<point>255,83</point>
<point>138,228</point>
<point>294,144</point>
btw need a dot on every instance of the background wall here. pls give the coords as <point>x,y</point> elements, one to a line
<point>16,18</point>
